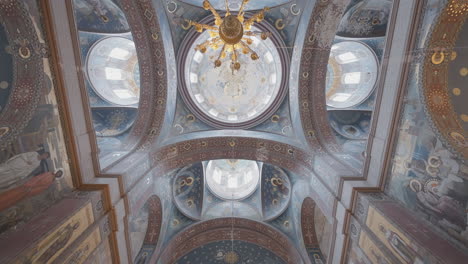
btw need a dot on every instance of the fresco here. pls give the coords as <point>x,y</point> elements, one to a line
<point>395,241</point>
<point>372,251</point>
<point>280,122</point>
<point>231,252</point>
<point>188,187</point>
<point>185,121</point>
<point>102,255</point>
<point>177,222</point>
<point>56,242</point>
<point>102,16</point>
<point>351,124</point>
<point>366,19</point>
<point>445,74</point>
<point>426,176</point>
<point>82,252</point>
<point>34,170</point>
<point>137,230</point>
<point>355,255</point>
<point>111,122</point>
<point>276,191</point>
<point>324,232</point>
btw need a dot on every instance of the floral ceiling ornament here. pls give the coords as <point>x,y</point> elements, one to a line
<point>232,33</point>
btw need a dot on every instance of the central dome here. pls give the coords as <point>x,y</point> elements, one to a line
<point>232,179</point>
<point>229,99</point>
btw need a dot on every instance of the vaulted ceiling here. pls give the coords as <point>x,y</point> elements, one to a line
<point>298,108</point>
<point>207,164</point>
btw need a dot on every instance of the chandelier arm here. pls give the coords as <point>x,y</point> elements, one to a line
<point>207,43</point>
<point>257,17</point>
<point>222,51</point>
<point>228,12</point>
<point>208,6</point>
<point>253,33</point>
<point>241,13</point>
<point>215,42</point>
<point>243,44</point>
<point>200,27</point>
<point>234,54</point>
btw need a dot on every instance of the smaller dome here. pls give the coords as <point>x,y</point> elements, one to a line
<point>366,19</point>
<point>232,179</point>
<point>351,75</point>
<point>113,121</point>
<point>112,67</point>
<point>102,16</point>
<point>351,124</point>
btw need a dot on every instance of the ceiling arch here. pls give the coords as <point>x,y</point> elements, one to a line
<point>313,67</point>
<point>231,228</point>
<point>309,233</point>
<point>146,31</point>
<point>152,231</point>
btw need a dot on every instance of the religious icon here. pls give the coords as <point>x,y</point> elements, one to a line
<point>399,246</point>
<point>20,166</point>
<point>62,237</point>
<point>32,187</point>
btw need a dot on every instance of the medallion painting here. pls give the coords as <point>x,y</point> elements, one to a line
<point>429,171</point>
<point>34,171</point>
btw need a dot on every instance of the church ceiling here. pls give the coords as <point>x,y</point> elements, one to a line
<point>300,117</point>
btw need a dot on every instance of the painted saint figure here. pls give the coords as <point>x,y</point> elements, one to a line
<point>19,167</point>
<point>33,186</point>
<point>61,239</point>
<point>442,206</point>
<point>400,247</point>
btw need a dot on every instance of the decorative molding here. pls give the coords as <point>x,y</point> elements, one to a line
<point>315,54</point>
<point>146,33</point>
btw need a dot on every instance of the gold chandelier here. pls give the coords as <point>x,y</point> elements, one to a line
<point>232,33</point>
